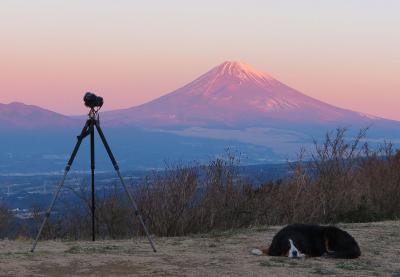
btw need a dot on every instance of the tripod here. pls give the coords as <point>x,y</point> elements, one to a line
<point>88,129</point>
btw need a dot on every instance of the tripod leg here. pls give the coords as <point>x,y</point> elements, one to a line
<point>49,211</point>
<point>132,201</point>
<point>61,184</point>
<point>92,173</point>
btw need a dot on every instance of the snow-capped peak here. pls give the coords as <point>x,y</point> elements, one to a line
<point>241,70</point>
<point>229,75</point>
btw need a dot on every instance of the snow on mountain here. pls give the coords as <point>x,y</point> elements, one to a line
<point>234,94</point>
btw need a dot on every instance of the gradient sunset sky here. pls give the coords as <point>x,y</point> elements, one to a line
<point>346,53</point>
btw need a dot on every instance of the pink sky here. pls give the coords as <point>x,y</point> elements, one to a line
<point>345,53</point>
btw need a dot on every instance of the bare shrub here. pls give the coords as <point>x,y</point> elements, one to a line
<point>167,200</point>
<point>380,177</point>
<point>5,219</point>
<point>224,203</point>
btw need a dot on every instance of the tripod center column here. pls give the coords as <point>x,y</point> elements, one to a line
<point>92,166</point>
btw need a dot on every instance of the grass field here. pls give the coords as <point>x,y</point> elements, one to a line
<point>212,254</point>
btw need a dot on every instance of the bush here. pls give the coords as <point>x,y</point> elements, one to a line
<point>5,220</point>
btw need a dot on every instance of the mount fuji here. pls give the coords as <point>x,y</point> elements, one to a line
<point>234,101</point>
<point>236,95</point>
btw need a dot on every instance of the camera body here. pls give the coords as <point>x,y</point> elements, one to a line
<point>92,100</point>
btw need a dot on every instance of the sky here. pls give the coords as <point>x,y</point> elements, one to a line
<point>343,52</point>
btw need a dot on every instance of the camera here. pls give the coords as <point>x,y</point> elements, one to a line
<point>92,100</point>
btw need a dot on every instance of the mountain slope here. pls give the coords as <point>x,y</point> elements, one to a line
<point>20,116</point>
<point>235,94</point>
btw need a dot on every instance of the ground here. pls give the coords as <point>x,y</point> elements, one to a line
<point>213,254</point>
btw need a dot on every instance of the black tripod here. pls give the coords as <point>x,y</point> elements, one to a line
<point>88,129</point>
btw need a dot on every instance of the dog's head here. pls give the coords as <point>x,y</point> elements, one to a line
<point>293,251</point>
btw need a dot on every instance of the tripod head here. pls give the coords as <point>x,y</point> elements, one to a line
<point>94,114</point>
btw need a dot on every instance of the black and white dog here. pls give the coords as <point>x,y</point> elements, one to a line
<point>304,240</point>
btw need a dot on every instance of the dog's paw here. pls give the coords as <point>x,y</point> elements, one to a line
<point>256,252</point>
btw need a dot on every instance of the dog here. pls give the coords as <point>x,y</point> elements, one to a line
<point>306,240</point>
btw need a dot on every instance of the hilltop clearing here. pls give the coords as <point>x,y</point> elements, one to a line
<point>213,254</point>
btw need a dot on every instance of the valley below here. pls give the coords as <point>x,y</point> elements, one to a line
<point>21,192</point>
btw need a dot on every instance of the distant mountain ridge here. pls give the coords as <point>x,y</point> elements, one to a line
<point>18,115</point>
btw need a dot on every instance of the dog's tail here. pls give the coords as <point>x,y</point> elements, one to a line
<point>260,252</point>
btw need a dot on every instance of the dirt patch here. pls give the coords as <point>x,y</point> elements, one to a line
<point>213,254</point>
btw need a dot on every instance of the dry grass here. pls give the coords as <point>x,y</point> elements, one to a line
<point>213,254</point>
